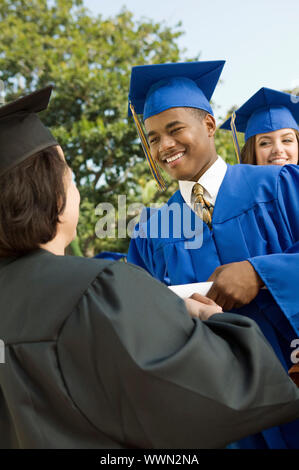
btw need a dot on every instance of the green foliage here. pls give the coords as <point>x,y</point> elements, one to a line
<point>75,248</point>
<point>224,141</point>
<point>88,59</point>
<point>225,147</point>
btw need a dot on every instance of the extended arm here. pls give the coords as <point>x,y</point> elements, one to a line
<point>236,284</point>
<point>146,374</point>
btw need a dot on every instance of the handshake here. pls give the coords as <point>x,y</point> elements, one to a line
<point>201,306</point>
<point>230,286</point>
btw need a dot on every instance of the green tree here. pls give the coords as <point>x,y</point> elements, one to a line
<point>88,59</point>
<point>224,141</point>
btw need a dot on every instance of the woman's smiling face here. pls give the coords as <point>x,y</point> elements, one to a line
<point>182,143</point>
<point>276,148</point>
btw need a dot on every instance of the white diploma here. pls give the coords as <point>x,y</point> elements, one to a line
<point>185,290</point>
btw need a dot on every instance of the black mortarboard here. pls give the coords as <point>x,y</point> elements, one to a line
<point>22,133</point>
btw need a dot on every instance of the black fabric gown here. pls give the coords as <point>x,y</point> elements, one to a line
<point>98,354</point>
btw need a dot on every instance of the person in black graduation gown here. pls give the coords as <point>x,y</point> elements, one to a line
<point>98,354</point>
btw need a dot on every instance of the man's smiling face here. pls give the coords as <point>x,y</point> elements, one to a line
<point>181,142</point>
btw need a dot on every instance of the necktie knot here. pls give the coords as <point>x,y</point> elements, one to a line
<point>198,189</point>
<point>202,207</point>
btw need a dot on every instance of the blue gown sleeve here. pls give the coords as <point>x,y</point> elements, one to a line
<point>143,250</point>
<point>140,252</point>
<point>280,271</point>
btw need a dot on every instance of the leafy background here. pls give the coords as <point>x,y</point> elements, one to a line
<point>88,59</point>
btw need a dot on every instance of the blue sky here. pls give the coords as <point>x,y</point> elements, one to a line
<point>259,39</point>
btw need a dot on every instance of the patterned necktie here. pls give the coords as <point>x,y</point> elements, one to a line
<point>206,207</point>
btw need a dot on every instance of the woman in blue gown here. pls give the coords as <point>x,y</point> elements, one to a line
<point>272,137</point>
<point>269,121</point>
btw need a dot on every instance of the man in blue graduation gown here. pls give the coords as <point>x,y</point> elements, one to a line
<point>248,238</point>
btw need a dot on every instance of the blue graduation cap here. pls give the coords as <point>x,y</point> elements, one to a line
<point>266,111</point>
<point>156,88</point>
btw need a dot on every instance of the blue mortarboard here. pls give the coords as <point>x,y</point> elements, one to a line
<point>156,88</point>
<point>266,111</point>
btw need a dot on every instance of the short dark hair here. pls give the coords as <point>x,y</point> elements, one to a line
<point>32,198</point>
<point>198,113</point>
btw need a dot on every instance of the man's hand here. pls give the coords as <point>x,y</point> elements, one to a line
<point>234,285</point>
<point>201,307</point>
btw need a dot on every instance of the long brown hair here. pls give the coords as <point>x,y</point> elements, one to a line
<point>248,151</point>
<point>32,198</point>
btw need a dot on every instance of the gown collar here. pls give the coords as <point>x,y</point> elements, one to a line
<point>234,188</point>
<point>36,253</point>
<point>211,181</point>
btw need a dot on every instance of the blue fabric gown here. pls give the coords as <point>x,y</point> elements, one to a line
<point>113,255</point>
<point>256,218</point>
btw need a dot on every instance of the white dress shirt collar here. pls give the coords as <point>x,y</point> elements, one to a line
<point>211,181</point>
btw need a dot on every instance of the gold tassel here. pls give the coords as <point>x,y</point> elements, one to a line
<point>235,137</point>
<point>152,164</point>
